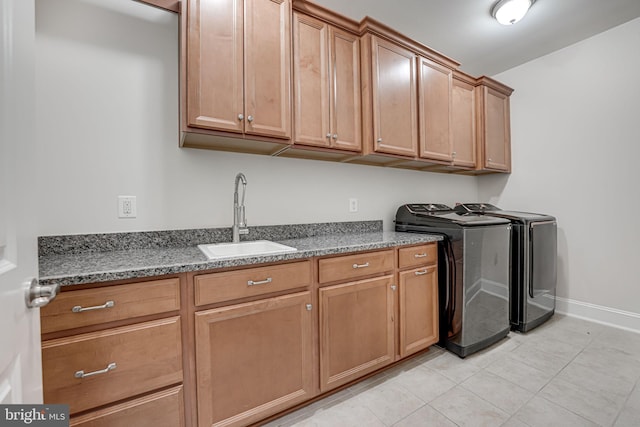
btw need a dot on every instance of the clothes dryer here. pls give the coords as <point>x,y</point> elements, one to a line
<point>534,254</point>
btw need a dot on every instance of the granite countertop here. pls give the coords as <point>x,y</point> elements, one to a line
<point>89,265</point>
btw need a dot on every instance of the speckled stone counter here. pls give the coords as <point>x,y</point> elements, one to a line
<point>69,260</point>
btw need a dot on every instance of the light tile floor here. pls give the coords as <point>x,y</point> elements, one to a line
<point>567,372</point>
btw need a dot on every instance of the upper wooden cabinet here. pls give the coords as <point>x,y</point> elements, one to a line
<point>493,121</point>
<point>326,67</point>
<point>390,97</point>
<point>463,121</point>
<point>238,63</point>
<point>290,78</point>
<point>435,94</point>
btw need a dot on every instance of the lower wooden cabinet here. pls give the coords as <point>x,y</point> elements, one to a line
<point>356,329</point>
<point>114,354</point>
<point>162,409</point>
<point>418,303</point>
<point>249,353</point>
<point>254,359</point>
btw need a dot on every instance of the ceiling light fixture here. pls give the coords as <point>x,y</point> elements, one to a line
<point>508,12</point>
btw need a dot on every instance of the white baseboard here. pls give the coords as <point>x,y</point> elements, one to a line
<point>600,314</point>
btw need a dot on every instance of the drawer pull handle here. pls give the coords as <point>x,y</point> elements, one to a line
<point>259,282</point>
<point>81,374</point>
<point>421,273</point>
<point>366,264</point>
<point>422,255</point>
<point>80,309</point>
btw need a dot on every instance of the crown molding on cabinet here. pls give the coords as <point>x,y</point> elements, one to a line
<point>371,26</point>
<point>326,15</point>
<point>494,84</point>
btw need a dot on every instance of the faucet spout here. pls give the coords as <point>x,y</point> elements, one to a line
<point>239,219</point>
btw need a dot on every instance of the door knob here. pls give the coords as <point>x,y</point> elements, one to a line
<point>39,296</point>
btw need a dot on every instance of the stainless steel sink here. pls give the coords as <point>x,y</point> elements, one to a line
<point>244,249</point>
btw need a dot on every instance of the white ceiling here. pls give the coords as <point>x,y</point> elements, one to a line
<point>465,31</point>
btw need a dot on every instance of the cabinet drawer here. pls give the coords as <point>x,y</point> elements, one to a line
<point>165,408</point>
<point>95,306</point>
<point>417,255</point>
<point>144,357</point>
<point>230,285</point>
<point>352,266</point>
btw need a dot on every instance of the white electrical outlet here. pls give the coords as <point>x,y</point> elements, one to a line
<point>353,205</point>
<point>127,207</point>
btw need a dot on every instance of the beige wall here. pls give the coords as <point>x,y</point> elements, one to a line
<point>107,125</point>
<point>575,119</point>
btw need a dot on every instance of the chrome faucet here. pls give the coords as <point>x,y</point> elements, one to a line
<point>239,220</point>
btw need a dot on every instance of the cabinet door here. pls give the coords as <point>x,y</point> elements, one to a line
<point>310,69</point>
<point>435,110</point>
<point>356,330</point>
<point>463,124</point>
<point>253,360</point>
<point>497,133</point>
<point>346,121</point>
<point>267,67</point>
<point>418,309</point>
<point>215,97</point>
<point>395,105</point>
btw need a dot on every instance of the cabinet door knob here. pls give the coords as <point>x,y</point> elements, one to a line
<point>309,307</point>
<point>379,140</point>
<point>37,295</point>
<point>335,136</point>
<point>329,135</point>
<point>394,287</point>
<point>453,154</point>
<point>250,118</point>
<point>240,116</point>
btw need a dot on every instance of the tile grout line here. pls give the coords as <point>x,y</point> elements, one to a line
<point>624,405</point>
